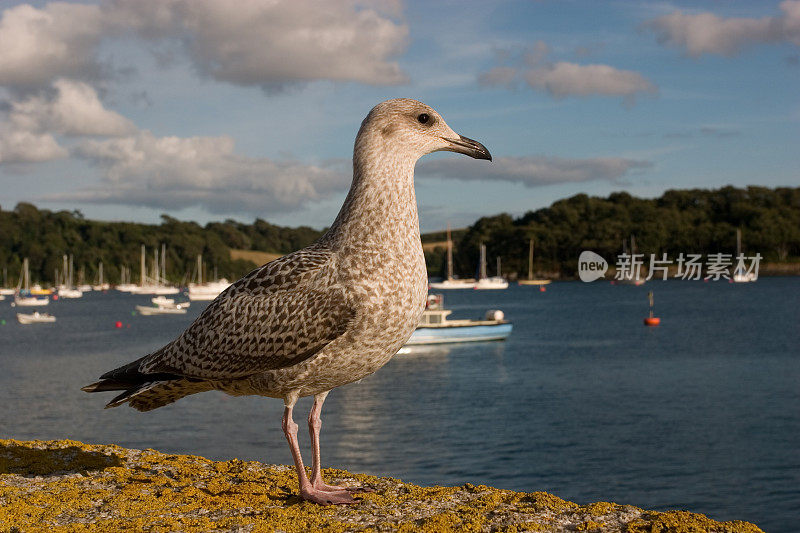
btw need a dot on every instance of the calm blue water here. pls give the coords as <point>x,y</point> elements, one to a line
<point>701,413</point>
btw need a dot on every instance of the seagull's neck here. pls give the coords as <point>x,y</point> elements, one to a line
<point>381,207</point>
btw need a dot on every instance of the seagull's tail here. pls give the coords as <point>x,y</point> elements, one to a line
<point>145,392</point>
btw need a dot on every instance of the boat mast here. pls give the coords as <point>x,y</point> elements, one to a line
<point>142,276</point>
<point>738,242</point>
<point>449,254</point>
<point>482,273</point>
<point>155,265</point>
<point>26,275</point>
<point>530,260</point>
<point>498,267</point>
<point>163,263</point>
<point>199,269</point>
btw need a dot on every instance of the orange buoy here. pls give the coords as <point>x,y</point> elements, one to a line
<point>651,320</point>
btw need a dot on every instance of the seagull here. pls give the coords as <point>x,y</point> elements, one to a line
<point>323,316</point>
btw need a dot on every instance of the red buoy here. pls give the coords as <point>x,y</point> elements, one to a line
<point>118,325</point>
<point>651,320</point>
<point>542,288</point>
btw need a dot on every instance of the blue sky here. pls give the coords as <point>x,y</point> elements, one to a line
<point>207,110</point>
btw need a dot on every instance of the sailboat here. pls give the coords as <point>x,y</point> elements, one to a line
<point>125,284</point>
<point>531,280</point>
<point>206,291</point>
<point>23,296</point>
<point>67,289</point>
<point>154,284</point>
<point>631,278</point>
<point>451,282</point>
<point>101,285</point>
<point>484,282</point>
<point>740,275</point>
<point>5,290</point>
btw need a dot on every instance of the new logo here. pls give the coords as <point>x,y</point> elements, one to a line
<point>591,266</point>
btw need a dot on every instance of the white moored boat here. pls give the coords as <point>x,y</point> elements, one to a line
<point>154,284</point>
<point>23,295</point>
<point>35,318</point>
<point>205,292</point>
<point>451,282</point>
<point>5,290</point>
<point>67,289</point>
<point>531,280</point>
<point>484,282</point>
<point>436,328</point>
<point>148,310</point>
<point>163,306</point>
<point>742,275</point>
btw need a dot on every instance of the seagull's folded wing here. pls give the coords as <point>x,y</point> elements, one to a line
<point>275,317</point>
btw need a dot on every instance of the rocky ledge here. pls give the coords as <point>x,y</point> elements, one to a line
<point>70,486</point>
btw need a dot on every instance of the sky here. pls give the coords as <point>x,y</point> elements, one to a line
<point>210,110</point>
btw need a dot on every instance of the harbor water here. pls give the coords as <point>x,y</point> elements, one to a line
<point>700,413</point>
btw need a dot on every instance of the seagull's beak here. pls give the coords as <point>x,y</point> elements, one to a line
<point>467,146</point>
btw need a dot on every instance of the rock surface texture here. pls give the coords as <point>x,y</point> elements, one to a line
<point>66,485</point>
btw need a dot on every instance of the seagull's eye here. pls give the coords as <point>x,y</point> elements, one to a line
<point>424,118</point>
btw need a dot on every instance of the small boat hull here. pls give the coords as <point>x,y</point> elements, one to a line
<point>452,284</point>
<point>494,283</point>
<point>35,318</point>
<point>534,282</point>
<point>30,301</point>
<point>447,334</point>
<point>147,310</point>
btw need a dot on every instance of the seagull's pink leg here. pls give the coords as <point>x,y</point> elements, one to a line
<point>314,425</point>
<point>307,490</point>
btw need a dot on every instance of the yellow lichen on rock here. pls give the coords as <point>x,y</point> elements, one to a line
<point>66,485</point>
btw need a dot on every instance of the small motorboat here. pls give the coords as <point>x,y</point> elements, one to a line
<point>436,328</point>
<point>452,283</point>
<point>167,302</point>
<point>175,309</point>
<point>35,318</point>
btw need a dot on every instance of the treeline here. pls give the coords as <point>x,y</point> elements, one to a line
<point>45,236</point>
<point>689,221</point>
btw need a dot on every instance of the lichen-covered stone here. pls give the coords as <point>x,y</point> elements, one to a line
<point>65,485</point>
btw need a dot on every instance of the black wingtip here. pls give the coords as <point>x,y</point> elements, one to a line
<point>94,387</point>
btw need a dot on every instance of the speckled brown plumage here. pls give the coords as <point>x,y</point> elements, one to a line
<point>326,315</point>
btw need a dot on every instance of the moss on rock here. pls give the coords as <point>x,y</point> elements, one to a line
<point>67,485</point>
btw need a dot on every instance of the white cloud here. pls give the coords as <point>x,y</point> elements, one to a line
<point>570,79</point>
<point>533,171</point>
<point>29,124</point>
<point>39,45</point>
<point>20,146</point>
<point>707,33</point>
<point>75,109</point>
<point>562,79</point>
<point>174,172</point>
<point>258,42</point>
<point>265,42</point>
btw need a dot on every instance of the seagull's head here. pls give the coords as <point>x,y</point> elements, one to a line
<point>411,127</point>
